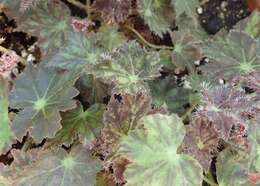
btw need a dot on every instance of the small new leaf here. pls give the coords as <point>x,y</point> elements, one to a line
<point>41,93</point>
<point>153,154</point>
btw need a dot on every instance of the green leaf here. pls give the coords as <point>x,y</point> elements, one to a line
<point>238,54</point>
<point>250,25</point>
<point>157,14</point>
<point>13,7</point>
<point>109,37</point>
<point>130,67</point>
<point>186,49</point>
<point>41,93</point>
<point>119,119</point>
<point>50,22</point>
<point>166,91</point>
<point>81,52</point>
<point>188,7</point>
<point>87,124</point>
<point>56,167</point>
<point>232,169</point>
<point>5,130</point>
<point>153,153</point>
<point>92,90</point>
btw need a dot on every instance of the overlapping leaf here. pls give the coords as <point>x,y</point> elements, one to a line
<point>186,49</point>
<point>130,67</point>
<point>239,53</point>
<point>87,124</point>
<point>113,11</point>
<point>92,89</point>
<point>55,167</point>
<point>187,7</point>
<point>201,140</point>
<point>5,130</point>
<point>109,37</point>
<point>81,52</point>
<point>50,22</point>
<point>12,9</point>
<point>41,93</point>
<point>158,14</point>
<point>232,169</point>
<point>166,92</point>
<point>120,118</point>
<point>250,25</point>
<point>153,154</point>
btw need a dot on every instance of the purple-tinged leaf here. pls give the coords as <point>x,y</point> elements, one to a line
<point>41,93</point>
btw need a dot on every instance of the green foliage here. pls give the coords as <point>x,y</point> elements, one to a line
<point>130,67</point>
<point>165,92</point>
<point>86,124</point>
<point>80,52</point>
<point>5,131</point>
<point>157,14</point>
<point>250,25</point>
<point>187,7</point>
<point>239,53</point>
<point>41,93</point>
<point>186,49</point>
<point>154,160</point>
<point>50,22</point>
<point>109,37</point>
<point>54,167</point>
<point>99,104</point>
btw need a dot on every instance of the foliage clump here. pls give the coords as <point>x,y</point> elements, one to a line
<point>128,93</point>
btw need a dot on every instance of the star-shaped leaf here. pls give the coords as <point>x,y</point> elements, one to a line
<point>81,52</point>
<point>237,54</point>
<point>50,22</point>
<point>5,130</point>
<point>87,124</point>
<point>55,167</point>
<point>41,93</point>
<point>153,154</point>
<point>157,14</point>
<point>130,67</point>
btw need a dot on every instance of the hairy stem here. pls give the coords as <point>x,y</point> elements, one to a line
<point>5,50</point>
<point>142,39</point>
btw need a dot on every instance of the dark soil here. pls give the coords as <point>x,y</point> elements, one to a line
<point>218,14</point>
